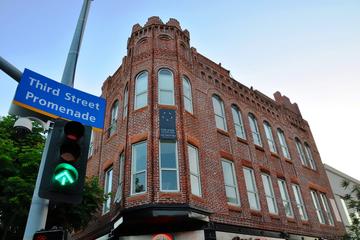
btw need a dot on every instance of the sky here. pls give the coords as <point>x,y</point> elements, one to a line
<point>309,50</point>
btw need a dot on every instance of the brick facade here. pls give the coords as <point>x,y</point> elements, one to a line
<point>157,45</point>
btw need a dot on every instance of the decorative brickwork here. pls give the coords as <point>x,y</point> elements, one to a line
<point>157,45</point>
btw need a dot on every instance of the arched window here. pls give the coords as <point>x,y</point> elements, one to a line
<point>255,130</point>
<point>300,151</point>
<point>141,89</point>
<point>239,126</point>
<point>309,156</point>
<point>114,117</point>
<point>166,87</point>
<point>187,95</point>
<point>283,144</point>
<point>269,137</point>
<point>125,110</point>
<point>219,112</point>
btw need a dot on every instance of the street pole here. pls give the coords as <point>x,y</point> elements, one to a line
<point>70,66</point>
<point>39,206</point>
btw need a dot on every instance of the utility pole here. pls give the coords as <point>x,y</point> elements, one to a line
<point>39,206</point>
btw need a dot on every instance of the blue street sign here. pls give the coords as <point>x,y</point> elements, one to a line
<point>43,95</point>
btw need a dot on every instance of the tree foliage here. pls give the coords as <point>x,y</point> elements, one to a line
<point>19,163</point>
<point>353,202</point>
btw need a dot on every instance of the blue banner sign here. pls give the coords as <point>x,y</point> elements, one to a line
<point>167,124</point>
<point>43,95</point>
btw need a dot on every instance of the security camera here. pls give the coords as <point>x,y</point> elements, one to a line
<point>23,126</point>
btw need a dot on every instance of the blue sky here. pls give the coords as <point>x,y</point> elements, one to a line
<point>308,50</point>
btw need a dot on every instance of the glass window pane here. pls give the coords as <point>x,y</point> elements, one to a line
<point>195,186</point>
<point>253,201</point>
<point>141,100</point>
<point>193,159</point>
<point>139,183</point>
<point>231,194</point>
<point>188,105</point>
<point>166,97</point>
<point>166,80</point>
<point>141,83</point>
<point>217,106</point>
<point>228,174</point>
<point>169,180</point>
<point>140,155</point>
<point>168,154</point>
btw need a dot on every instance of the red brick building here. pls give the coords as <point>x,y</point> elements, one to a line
<point>191,152</point>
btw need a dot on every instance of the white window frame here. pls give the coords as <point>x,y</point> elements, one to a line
<point>234,185</point>
<point>169,169</point>
<point>238,122</point>
<point>270,137</point>
<point>255,130</point>
<point>299,202</point>
<point>186,82</point>
<point>270,196</point>
<point>309,156</point>
<point>172,90</point>
<point>193,173</point>
<point>113,117</point>
<point>285,198</point>
<point>145,92</point>
<point>300,151</point>
<point>91,144</point>
<point>108,176</point>
<point>133,167</point>
<point>126,101</point>
<point>325,203</point>
<point>316,202</point>
<point>283,145</point>
<point>221,116</point>
<point>252,191</point>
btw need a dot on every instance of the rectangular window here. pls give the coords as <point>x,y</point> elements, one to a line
<point>194,170</point>
<point>269,137</point>
<point>253,195</point>
<point>325,203</point>
<point>169,176</point>
<point>285,198</point>
<point>119,191</point>
<point>299,202</point>
<point>317,206</point>
<point>138,168</point>
<point>107,190</point>
<point>284,147</point>
<point>231,187</point>
<point>269,193</point>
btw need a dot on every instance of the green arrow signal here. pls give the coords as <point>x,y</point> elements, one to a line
<point>65,174</point>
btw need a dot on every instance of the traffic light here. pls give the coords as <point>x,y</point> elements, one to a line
<point>57,234</point>
<point>65,166</point>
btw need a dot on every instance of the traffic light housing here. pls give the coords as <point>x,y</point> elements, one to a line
<point>57,234</point>
<point>65,166</point>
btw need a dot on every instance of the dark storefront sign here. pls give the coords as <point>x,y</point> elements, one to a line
<point>167,124</point>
